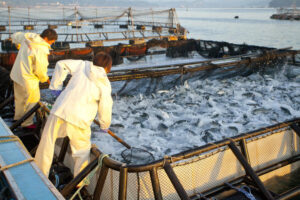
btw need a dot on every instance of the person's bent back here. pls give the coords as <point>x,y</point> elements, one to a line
<point>87,94</point>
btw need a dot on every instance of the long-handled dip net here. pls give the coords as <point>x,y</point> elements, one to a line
<point>132,154</point>
<point>137,156</point>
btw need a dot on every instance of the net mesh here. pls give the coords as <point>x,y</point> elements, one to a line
<point>166,18</point>
<point>137,156</point>
<point>281,145</point>
<point>87,25</point>
<point>201,173</point>
<point>111,185</point>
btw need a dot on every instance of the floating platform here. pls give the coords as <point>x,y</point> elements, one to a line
<point>133,52</point>
<point>143,24</point>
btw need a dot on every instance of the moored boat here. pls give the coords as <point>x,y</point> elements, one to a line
<point>287,14</point>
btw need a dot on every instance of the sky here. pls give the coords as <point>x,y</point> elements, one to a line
<point>149,3</point>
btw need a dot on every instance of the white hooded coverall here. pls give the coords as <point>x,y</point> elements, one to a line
<point>87,93</point>
<point>29,69</point>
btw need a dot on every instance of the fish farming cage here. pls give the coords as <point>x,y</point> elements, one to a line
<point>150,78</point>
<point>172,49</point>
<point>240,167</point>
<point>221,169</point>
<point>147,80</point>
<point>240,60</point>
<point>247,164</point>
<point>186,175</point>
<point>234,167</point>
<point>63,15</point>
<point>92,24</point>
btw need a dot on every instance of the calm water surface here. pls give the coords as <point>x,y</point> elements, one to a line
<point>254,26</point>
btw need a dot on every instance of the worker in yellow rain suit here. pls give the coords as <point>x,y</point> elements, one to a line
<point>87,93</point>
<point>29,69</point>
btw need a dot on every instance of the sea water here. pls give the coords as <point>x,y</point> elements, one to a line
<point>204,110</point>
<point>253,27</point>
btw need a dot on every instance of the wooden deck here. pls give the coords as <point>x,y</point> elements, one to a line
<point>25,180</point>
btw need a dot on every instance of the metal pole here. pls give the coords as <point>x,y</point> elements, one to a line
<point>6,101</point>
<point>296,128</point>
<point>100,182</point>
<point>132,23</point>
<point>9,22</point>
<point>249,170</point>
<point>244,150</point>
<point>76,12</point>
<point>28,114</point>
<point>63,150</point>
<point>74,182</point>
<point>28,16</point>
<point>155,184</point>
<point>63,10</point>
<point>123,182</point>
<point>291,193</point>
<point>152,17</point>
<point>175,181</point>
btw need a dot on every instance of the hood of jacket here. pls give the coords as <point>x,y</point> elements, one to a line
<point>35,40</point>
<point>97,75</point>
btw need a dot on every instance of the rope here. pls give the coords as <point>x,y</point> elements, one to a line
<point>11,139</point>
<point>87,179</point>
<point>243,189</point>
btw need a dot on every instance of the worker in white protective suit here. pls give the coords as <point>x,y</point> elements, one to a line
<point>29,69</point>
<point>87,94</point>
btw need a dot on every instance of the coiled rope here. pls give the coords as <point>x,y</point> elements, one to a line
<point>245,190</point>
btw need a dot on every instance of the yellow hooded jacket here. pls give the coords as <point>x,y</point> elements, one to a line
<point>31,63</point>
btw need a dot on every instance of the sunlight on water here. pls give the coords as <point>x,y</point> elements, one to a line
<point>254,26</point>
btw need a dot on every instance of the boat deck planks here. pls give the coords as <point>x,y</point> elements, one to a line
<point>26,180</point>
